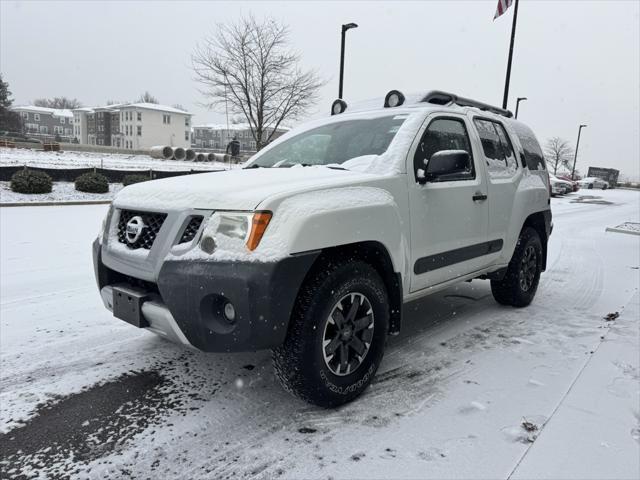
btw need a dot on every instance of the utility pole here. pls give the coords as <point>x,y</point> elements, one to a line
<point>344,31</point>
<point>505,98</point>
<point>575,157</point>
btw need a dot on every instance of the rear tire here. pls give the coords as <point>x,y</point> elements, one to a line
<point>337,334</point>
<point>520,283</point>
<point>590,186</point>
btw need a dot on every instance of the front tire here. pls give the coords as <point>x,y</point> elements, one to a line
<point>520,283</point>
<point>336,335</point>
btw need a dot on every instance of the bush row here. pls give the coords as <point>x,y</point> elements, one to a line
<point>33,181</point>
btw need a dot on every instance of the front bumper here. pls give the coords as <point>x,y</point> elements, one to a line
<point>187,301</point>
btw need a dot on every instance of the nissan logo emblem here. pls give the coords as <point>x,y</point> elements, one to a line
<point>134,229</point>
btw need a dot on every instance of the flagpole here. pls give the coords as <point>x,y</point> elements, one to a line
<point>505,99</point>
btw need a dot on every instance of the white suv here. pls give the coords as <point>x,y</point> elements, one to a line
<point>314,247</point>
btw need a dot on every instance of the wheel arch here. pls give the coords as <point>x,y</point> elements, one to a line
<point>376,255</point>
<point>541,223</point>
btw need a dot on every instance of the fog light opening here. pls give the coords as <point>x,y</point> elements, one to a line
<point>208,244</point>
<point>229,312</point>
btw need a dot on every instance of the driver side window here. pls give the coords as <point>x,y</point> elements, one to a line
<point>443,134</point>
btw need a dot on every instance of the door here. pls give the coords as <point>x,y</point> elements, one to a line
<point>449,216</point>
<point>503,176</point>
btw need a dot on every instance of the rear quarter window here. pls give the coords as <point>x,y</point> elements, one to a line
<point>532,152</point>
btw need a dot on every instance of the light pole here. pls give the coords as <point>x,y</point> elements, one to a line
<point>520,99</point>
<point>344,31</point>
<point>575,156</point>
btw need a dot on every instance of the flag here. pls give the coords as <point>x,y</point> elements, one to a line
<point>502,7</point>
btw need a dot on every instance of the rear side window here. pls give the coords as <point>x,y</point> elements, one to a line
<point>497,148</point>
<point>532,151</point>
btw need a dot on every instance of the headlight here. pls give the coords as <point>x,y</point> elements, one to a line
<point>234,231</point>
<point>234,225</point>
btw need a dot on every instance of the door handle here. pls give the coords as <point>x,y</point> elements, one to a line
<point>479,197</point>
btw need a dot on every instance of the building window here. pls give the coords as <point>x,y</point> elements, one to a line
<point>44,129</point>
<point>25,115</point>
<point>36,117</point>
<point>186,122</point>
<point>166,119</point>
<point>186,135</point>
<point>139,117</point>
<point>139,130</point>
<point>63,120</point>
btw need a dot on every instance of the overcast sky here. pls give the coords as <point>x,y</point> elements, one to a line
<point>576,61</point>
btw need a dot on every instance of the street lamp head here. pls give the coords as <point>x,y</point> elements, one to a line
<point>521,98</point>
<point>348,26</point>
<point>582,126</point>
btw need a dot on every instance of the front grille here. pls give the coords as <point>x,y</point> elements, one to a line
<point>152,222</point>
<point>191,229</point>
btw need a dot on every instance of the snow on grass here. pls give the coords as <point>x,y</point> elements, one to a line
<point>69,159</point>
<point>60,192</point>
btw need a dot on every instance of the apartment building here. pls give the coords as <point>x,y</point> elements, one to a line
<point>133,126</point>
<point>46,124</point>
<point>218,136</point>
<point>80,127</point>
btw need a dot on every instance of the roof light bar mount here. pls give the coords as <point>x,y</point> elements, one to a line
<point>439,97</point>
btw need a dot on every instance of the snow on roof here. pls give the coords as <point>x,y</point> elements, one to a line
<point>56,112</point>
<point>155,106</point>
<point>148,106</point>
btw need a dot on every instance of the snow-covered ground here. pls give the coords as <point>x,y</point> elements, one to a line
<point>84,394</point>
<point>60,192</point>
<point>39,158</point>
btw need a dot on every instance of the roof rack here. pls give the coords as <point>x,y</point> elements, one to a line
<point>439,97</point>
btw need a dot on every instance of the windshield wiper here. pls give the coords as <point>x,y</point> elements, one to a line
<point>335,167</point>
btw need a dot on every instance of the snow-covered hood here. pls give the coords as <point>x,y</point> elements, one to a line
<point>241,189</point>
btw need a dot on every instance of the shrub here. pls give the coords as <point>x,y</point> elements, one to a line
<point>30,181</point>
<point>92,182</point>
<point>131,179</point>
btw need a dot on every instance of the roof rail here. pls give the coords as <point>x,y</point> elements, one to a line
<point>439,97</point>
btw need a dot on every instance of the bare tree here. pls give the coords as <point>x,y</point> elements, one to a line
<point>146,97</point>
<point>249,67</point>
<point>58,102</point>
<point>558,153</point>
<point>179,107</point>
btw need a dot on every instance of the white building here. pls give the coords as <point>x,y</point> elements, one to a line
<point>133,126</point>
<point>144,125</point>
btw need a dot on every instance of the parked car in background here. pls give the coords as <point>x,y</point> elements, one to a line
<point>609,175</point>
<point>562,187</point>
<point>556,188</point>
<point>574,183</point>
<point>593,182</point>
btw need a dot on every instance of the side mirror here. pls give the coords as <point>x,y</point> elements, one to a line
<point>446,162</point>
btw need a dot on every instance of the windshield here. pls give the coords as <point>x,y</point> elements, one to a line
<point>334,143</point>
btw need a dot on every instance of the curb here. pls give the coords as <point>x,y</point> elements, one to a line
<point>50,204</point>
